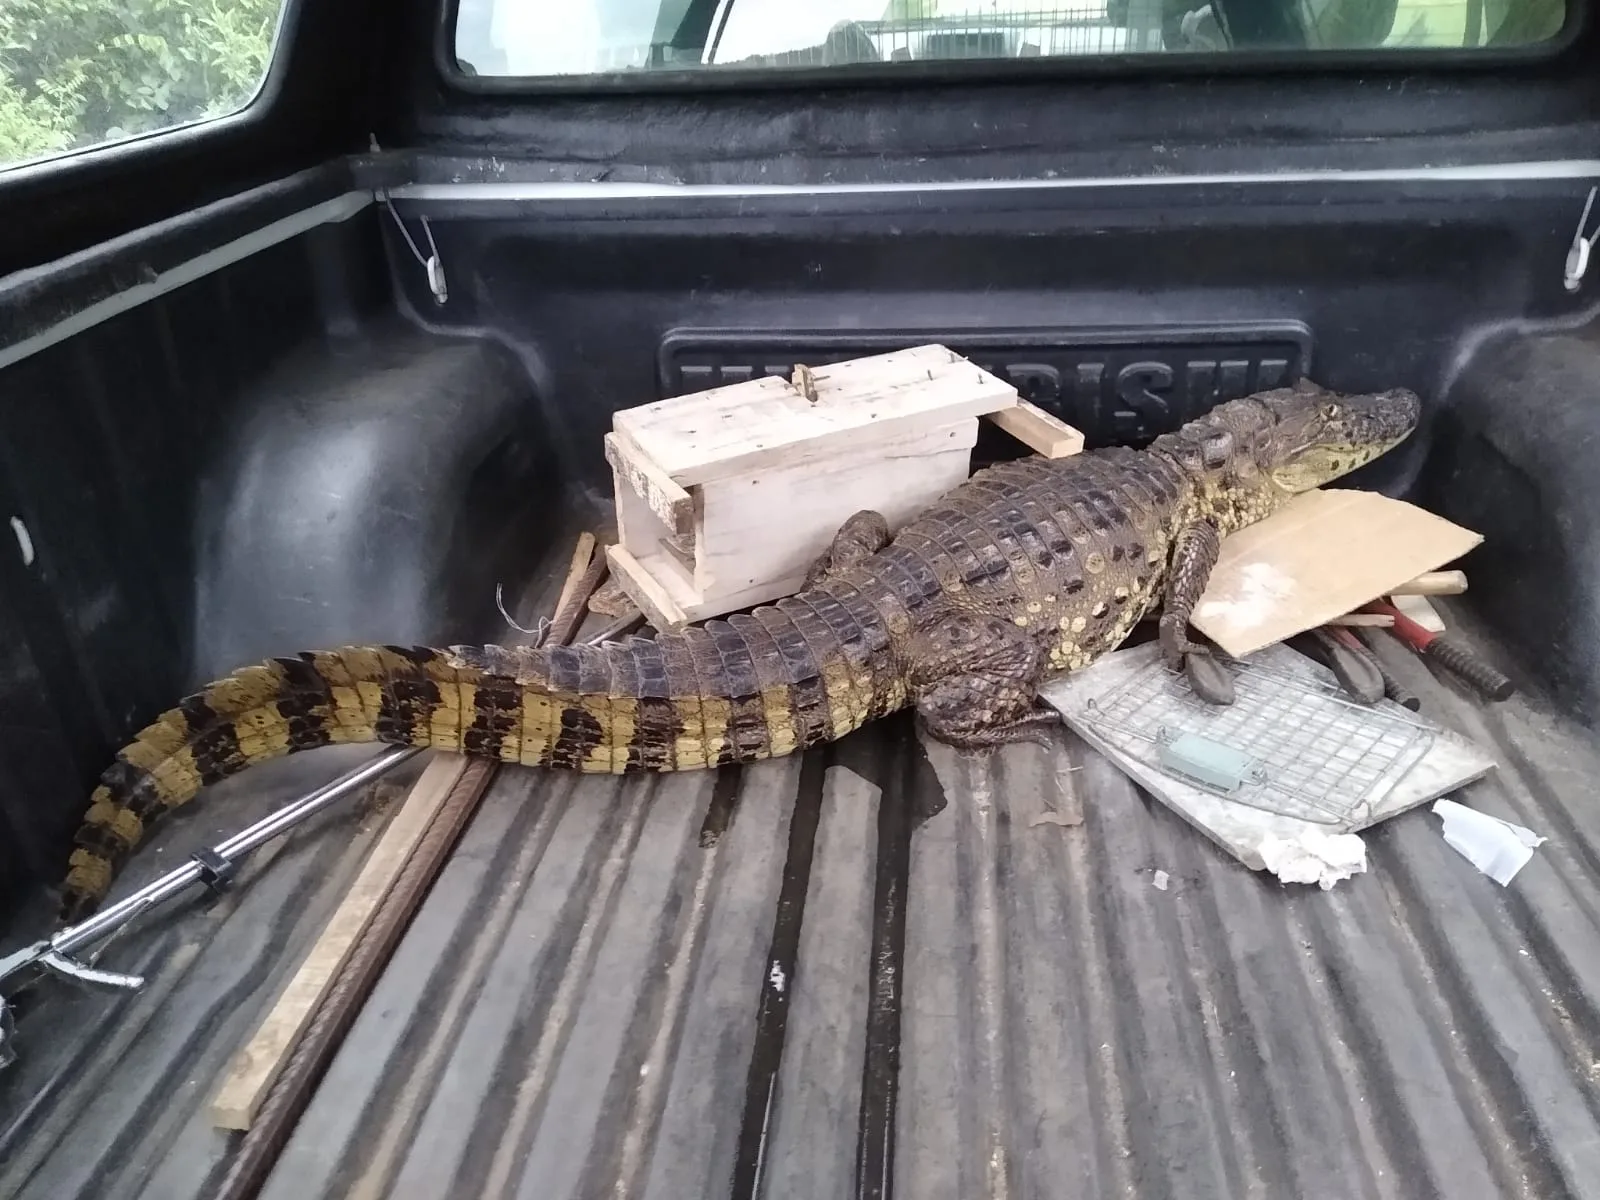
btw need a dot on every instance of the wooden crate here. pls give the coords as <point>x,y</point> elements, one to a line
<point>725,497</point>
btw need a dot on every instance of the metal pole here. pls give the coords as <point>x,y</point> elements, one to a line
<point>56,953</point>
<point>106,920</point>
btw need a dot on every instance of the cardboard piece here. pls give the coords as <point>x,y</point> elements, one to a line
<point>1325,553</point>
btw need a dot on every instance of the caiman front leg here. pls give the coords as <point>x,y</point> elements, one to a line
<point>1194,554</point>
<point>861,536</point>
<point>975,681</point>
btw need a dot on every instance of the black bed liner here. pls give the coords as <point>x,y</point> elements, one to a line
<point>871,970</point>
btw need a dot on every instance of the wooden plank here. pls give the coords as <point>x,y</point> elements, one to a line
<point>765,423</point>
<point>1420,610</point>
<point>670,503</point>
<point>739,562</point>
<point>758,536</point>
<point>582,555</point>
<point>256,1066</point>
<point>1434,583</point>
<point>645,589</point>
<point>1032,426</point>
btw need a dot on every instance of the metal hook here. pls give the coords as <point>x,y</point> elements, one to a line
<point>1582,247</point>
<point>431,264</point>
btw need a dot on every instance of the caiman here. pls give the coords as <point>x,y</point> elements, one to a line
<point>1030,567</point>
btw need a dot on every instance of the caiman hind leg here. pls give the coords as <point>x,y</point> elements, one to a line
<point>1194,554</point>
<point>859,538</point>
<point>975,681</point>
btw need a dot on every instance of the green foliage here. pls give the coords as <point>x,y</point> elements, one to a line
<point>74,73</point>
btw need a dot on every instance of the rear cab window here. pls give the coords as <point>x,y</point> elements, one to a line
<point>546,39</point>
<point>79,74</point>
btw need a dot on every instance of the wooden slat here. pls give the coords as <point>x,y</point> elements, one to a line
<point>764,423</point>
<point>1037,429</point>
<point>1420,610</point>
<point>1434,583</point>
<point>761,535</point>
<point>256,1066</point>
<point>633,469</point>
<point>582,555</point>
<point>645,590</point>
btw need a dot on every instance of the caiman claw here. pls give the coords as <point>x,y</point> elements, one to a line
<point>1208,678</point>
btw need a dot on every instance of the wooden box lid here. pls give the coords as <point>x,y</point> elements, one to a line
<point>763,423</point>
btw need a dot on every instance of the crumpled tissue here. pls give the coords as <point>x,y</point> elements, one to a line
<point>1314,857</point>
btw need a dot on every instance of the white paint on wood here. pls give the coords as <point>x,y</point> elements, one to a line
<point>762,533</point>
<point>766,423</point>
<point>644,581</point>
<point>632,468</point>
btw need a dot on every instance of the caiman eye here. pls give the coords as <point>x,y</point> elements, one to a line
<point>1330,411</point>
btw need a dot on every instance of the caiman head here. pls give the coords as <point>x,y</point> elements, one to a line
<point>1297,438</point>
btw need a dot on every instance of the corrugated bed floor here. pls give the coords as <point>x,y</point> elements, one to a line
<point>879,970</point>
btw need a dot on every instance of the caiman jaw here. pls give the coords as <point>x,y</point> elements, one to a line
<point>1335,436</point>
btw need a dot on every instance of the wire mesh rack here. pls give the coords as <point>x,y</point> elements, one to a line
<point>985,31</point>
<point>1315,754</point>
<point>981,29</point>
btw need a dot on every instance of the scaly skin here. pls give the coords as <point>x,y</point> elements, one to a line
<point>1029,568</point>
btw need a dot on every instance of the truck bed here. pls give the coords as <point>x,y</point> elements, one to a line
<point>877,969</point>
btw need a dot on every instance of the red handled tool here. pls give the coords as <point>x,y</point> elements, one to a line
<point>1451,655</point>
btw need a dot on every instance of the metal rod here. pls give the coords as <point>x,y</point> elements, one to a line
<point>564,625</point>
<point>108,919</point>
<point>616,629</point>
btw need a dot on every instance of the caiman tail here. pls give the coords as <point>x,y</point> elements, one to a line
<point>759,685</point>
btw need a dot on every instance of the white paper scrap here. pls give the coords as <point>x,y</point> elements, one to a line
<point>1497,848</point>
<point>1312,856</point>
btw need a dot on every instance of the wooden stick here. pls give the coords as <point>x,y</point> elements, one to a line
<point>258,1065</point>
<point>1371,620</point>
<point>1420,610</point>
<point>645,590</point>
<point>1434,583</point>
<point>285,1103</point>
<point>654,486</point>
<point>1034,427</point>
<point>582,556</point>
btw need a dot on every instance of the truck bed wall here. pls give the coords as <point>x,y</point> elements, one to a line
<point>300,448</point>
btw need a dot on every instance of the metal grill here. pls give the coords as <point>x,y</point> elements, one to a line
<point>982,31</point>
<point>1318,756</point>
<point>979,31</point>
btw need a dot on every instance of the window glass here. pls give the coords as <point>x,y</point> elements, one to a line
<point>79,73</point>
<point>526,38</point>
